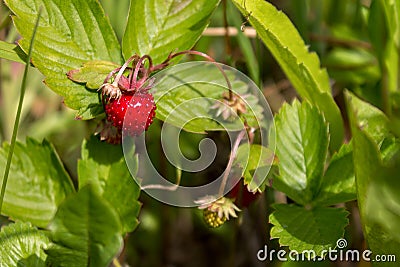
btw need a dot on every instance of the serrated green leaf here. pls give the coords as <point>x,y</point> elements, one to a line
<point>92,73</point>
<point>256,161</point>
<point>22,244</point>
<point>86,231</point>
<point>338,184</point>
<point>70,33</point>
<point>12,52</point>
<point>301,147</point>
<point>103,165</point>
<point>159,27</point>
<point>324,227</point>
<point>186,95</point>
<point>37,184</point>
<point>376,178</point>
<point>301,67</point>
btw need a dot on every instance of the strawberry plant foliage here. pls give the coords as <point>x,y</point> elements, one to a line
<point>376,166</point>
<point>159,27</point>
<point>85,231</point>
<point>74,32</point>
<point>302,67</point>
<point>22,244</point>
<point>83,61</point>
<point>70,33</point>
<point>39,182</point>
<point>103,166</point>
<point>302,141</point>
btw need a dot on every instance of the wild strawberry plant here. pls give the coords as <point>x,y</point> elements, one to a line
<point>318,152</point>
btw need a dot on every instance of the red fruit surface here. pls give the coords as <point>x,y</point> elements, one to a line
<point>243,198</point>
<point>139,110</point>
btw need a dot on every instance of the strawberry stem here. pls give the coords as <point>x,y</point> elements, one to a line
<point>123,68</point>
<point>197,53</point>
<point>138,68</point>
<point>230,162</point>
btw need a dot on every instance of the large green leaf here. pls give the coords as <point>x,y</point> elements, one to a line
<point>338,184</point>
<point>301,147</point>
<point>22,244</point>
<point>70,33</point>
<point>11,52</point>
<point>37,184</point>
<point>86,231</point>
<point>187,94</point>
<point>301,67</point>
<point>303,229</point>
<point>376,178</point>
<point>159,27</point>
<point>103,165</point>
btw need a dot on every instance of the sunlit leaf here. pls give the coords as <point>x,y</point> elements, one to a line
<point>86,231</point>
<point>37,184</point>
<point>70,33</point>
<point>159,27</point>
<point>22,244</point>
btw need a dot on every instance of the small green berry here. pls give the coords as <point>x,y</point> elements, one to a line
<point>212,219</point>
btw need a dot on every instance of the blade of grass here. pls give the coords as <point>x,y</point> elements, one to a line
<point>18,116</point>
<point>245,45</point>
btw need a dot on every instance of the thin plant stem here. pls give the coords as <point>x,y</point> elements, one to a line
<point>230,162</point>
<point>167,188</point>
<point>197,53</point>
<point>18,116</point>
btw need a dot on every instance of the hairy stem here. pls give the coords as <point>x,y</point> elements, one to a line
<point>230,162</point>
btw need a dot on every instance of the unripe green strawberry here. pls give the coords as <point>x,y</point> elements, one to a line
<point>212,219</point>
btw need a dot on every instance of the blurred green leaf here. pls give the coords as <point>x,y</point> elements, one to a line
<point>301,147</point>
<point>372,120</point>
<point>301,67</point>
<point>324,227</point>
<point>103,165</point>
<point>376,178</point>
<point>92,73</point>
<point>12,52</point>
<point>338,184</point>
<point>159,27</point>
<point>38,182</point>
<point>70,33</point>
<point>354,66</point>
<point>22,244</point>
<point>384,31</point>
<point>117,12</point>
<point>256,161</point>
<point>245,45</point>
<point>86,231</point>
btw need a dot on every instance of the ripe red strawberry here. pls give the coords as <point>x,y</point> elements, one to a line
<point>139,110</point>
